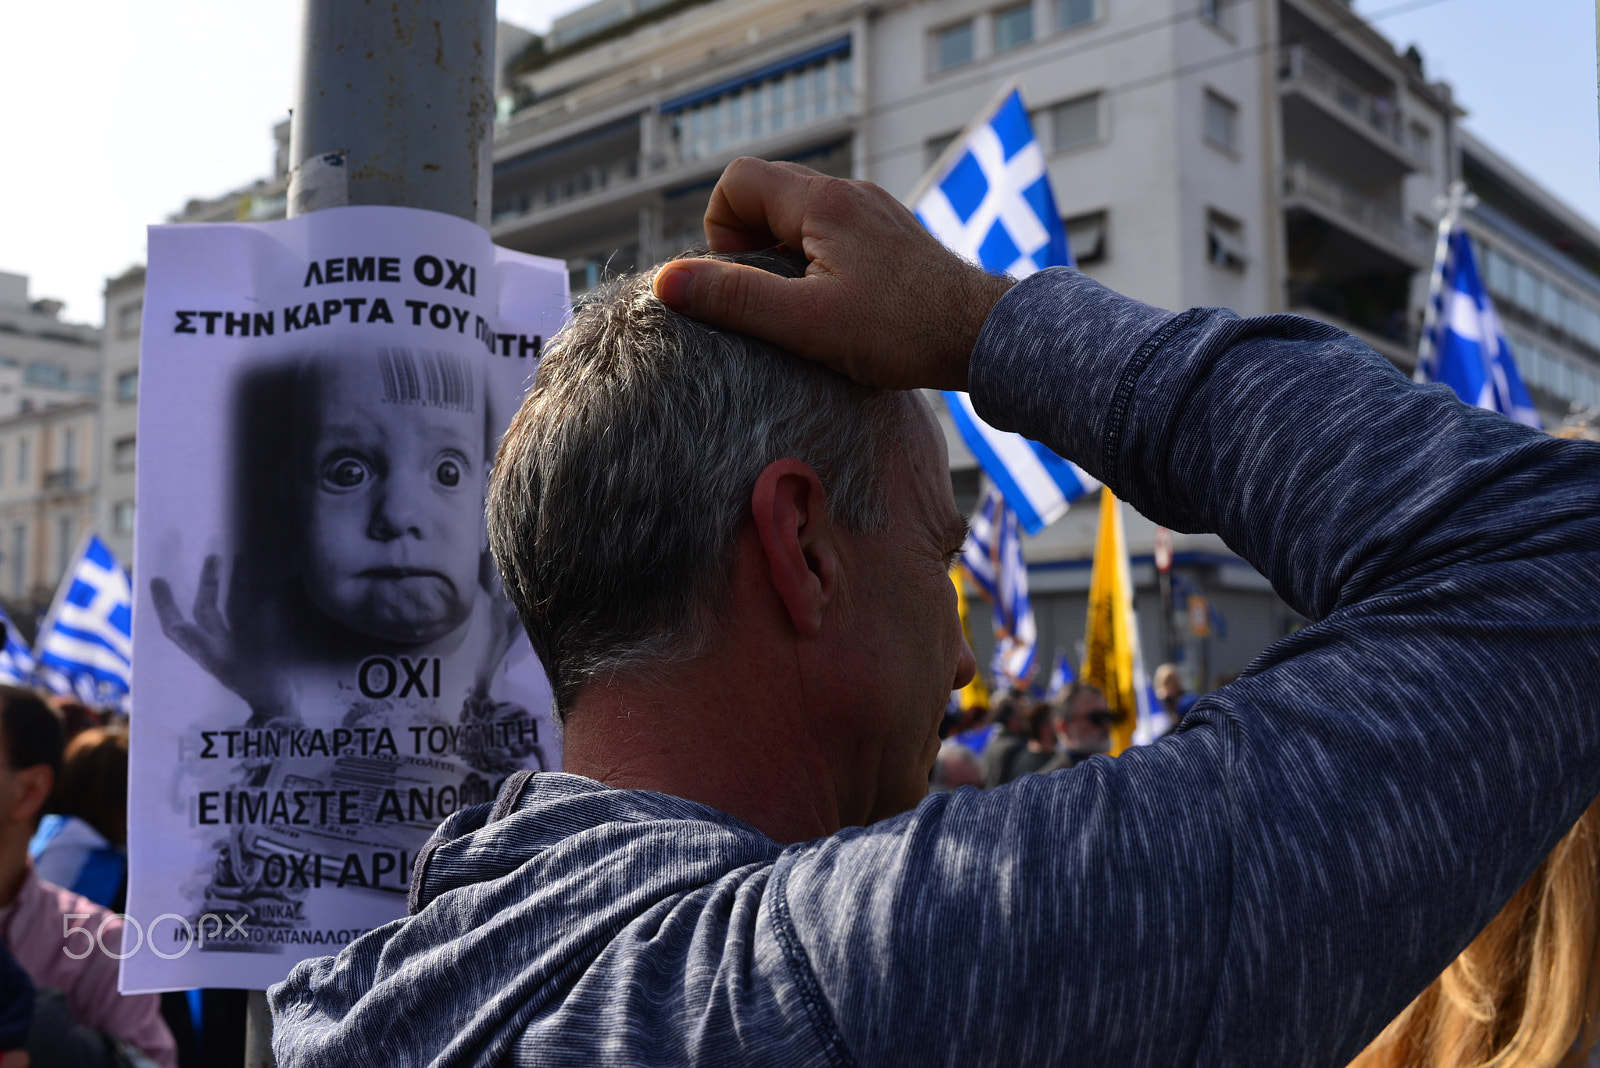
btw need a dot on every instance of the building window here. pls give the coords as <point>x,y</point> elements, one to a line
<point>1551,305</point>
<point>1086,236</point>
<point>1224,241</point>
<point>1420,139</point>
<point>706,126</point>
<point>1075,123</point>
<point>1498,276</point>
<point>122,454</point>
<point>69,449</point>
<point>128,319</point>
<point>122,517</point>
<point>66,537</point>
<point>24,461</point>
<point>1222,121</point>
<point>1070,13</point>
<point>1527,288</point>
<point>1013,26</point>
<point>128,386</point>
<point>19,560</point>
<point>1217,12</point>
<point>953,46</point>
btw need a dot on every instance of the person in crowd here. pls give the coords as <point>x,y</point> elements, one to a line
<point>733,563</point>
<point>1011,734</point>
<point>76,717</point>
<point>1081,719</point>
<point>1168,685</point>
<point>16,1011</point>
<point>75,974</point>
<point>1038,747</point>
<point>81,842</point>
<point>955,766</point>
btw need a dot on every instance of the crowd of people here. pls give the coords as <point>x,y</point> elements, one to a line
<point>1021,733</point>
<point>63,868</point>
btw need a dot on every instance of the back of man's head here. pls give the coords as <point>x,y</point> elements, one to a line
<point>31,744</point>
<point>622,484</point>
<point>33,732</point>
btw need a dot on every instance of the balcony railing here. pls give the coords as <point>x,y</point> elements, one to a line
<point>1366,214</point>
<point>1376,112</point>
<point>65,478</point>
<point>793,102</point>
<point>568,185</point>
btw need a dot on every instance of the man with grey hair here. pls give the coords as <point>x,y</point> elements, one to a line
<point>752,641</point>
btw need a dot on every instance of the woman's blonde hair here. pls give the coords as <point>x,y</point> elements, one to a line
<point>1526,992</point>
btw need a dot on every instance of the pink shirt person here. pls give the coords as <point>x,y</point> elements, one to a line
<point>34,928</point>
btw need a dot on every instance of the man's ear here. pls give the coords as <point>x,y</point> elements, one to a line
<point>33,790</point>
<point>790,510</point>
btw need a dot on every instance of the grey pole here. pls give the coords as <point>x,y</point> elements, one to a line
<point>395,106</point>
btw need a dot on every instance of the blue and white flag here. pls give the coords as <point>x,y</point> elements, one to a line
<point>988,199</point>
<point>16,659</point>
<point>993,558</point>
<point>978,554</point>
<point>1061,677</point>
<point>1466,347</point>
<point>86,644</point>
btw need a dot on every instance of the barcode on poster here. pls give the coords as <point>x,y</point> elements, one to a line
<point>437,379</point>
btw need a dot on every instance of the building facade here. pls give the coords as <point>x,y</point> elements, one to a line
<point>119,412</point>
<point>1541,263</point>
<point>49,385</point>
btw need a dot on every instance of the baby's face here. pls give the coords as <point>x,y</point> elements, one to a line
<point>391,505</point>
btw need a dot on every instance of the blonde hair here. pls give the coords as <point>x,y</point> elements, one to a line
<point>1526,992</point>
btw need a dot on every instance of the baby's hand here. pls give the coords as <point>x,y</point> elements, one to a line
<point>210,643</point>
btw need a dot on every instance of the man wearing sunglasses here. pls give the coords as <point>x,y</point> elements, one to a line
<point>1082,720</point>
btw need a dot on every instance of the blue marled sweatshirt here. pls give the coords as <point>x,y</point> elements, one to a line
<point>1268,887</point>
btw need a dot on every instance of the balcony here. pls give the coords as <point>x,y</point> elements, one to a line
<point>62,480</point>
<point>592,178</point>
<point>1307,189</point>
<point>1327,117</point>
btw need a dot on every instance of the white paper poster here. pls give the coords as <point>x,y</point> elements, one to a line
<point>324,664</point>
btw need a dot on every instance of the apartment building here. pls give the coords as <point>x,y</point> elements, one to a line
<point>49,381</point>
<point>1541,263</point>
<point>119,412</point>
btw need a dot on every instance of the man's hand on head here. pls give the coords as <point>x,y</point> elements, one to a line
<point>881,300</point>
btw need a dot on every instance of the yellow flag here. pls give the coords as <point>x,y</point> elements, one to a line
<point>1111,641</point>
<point>974,694</point>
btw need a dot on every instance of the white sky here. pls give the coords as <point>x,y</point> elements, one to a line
<point>116,112</point>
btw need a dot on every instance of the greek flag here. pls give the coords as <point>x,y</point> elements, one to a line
<point>86,644</point>
<point>992,557</point>
<point>1465,346</point>
<point>16,660</point>
<point>988,199</point>
<point>1061,677</point>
